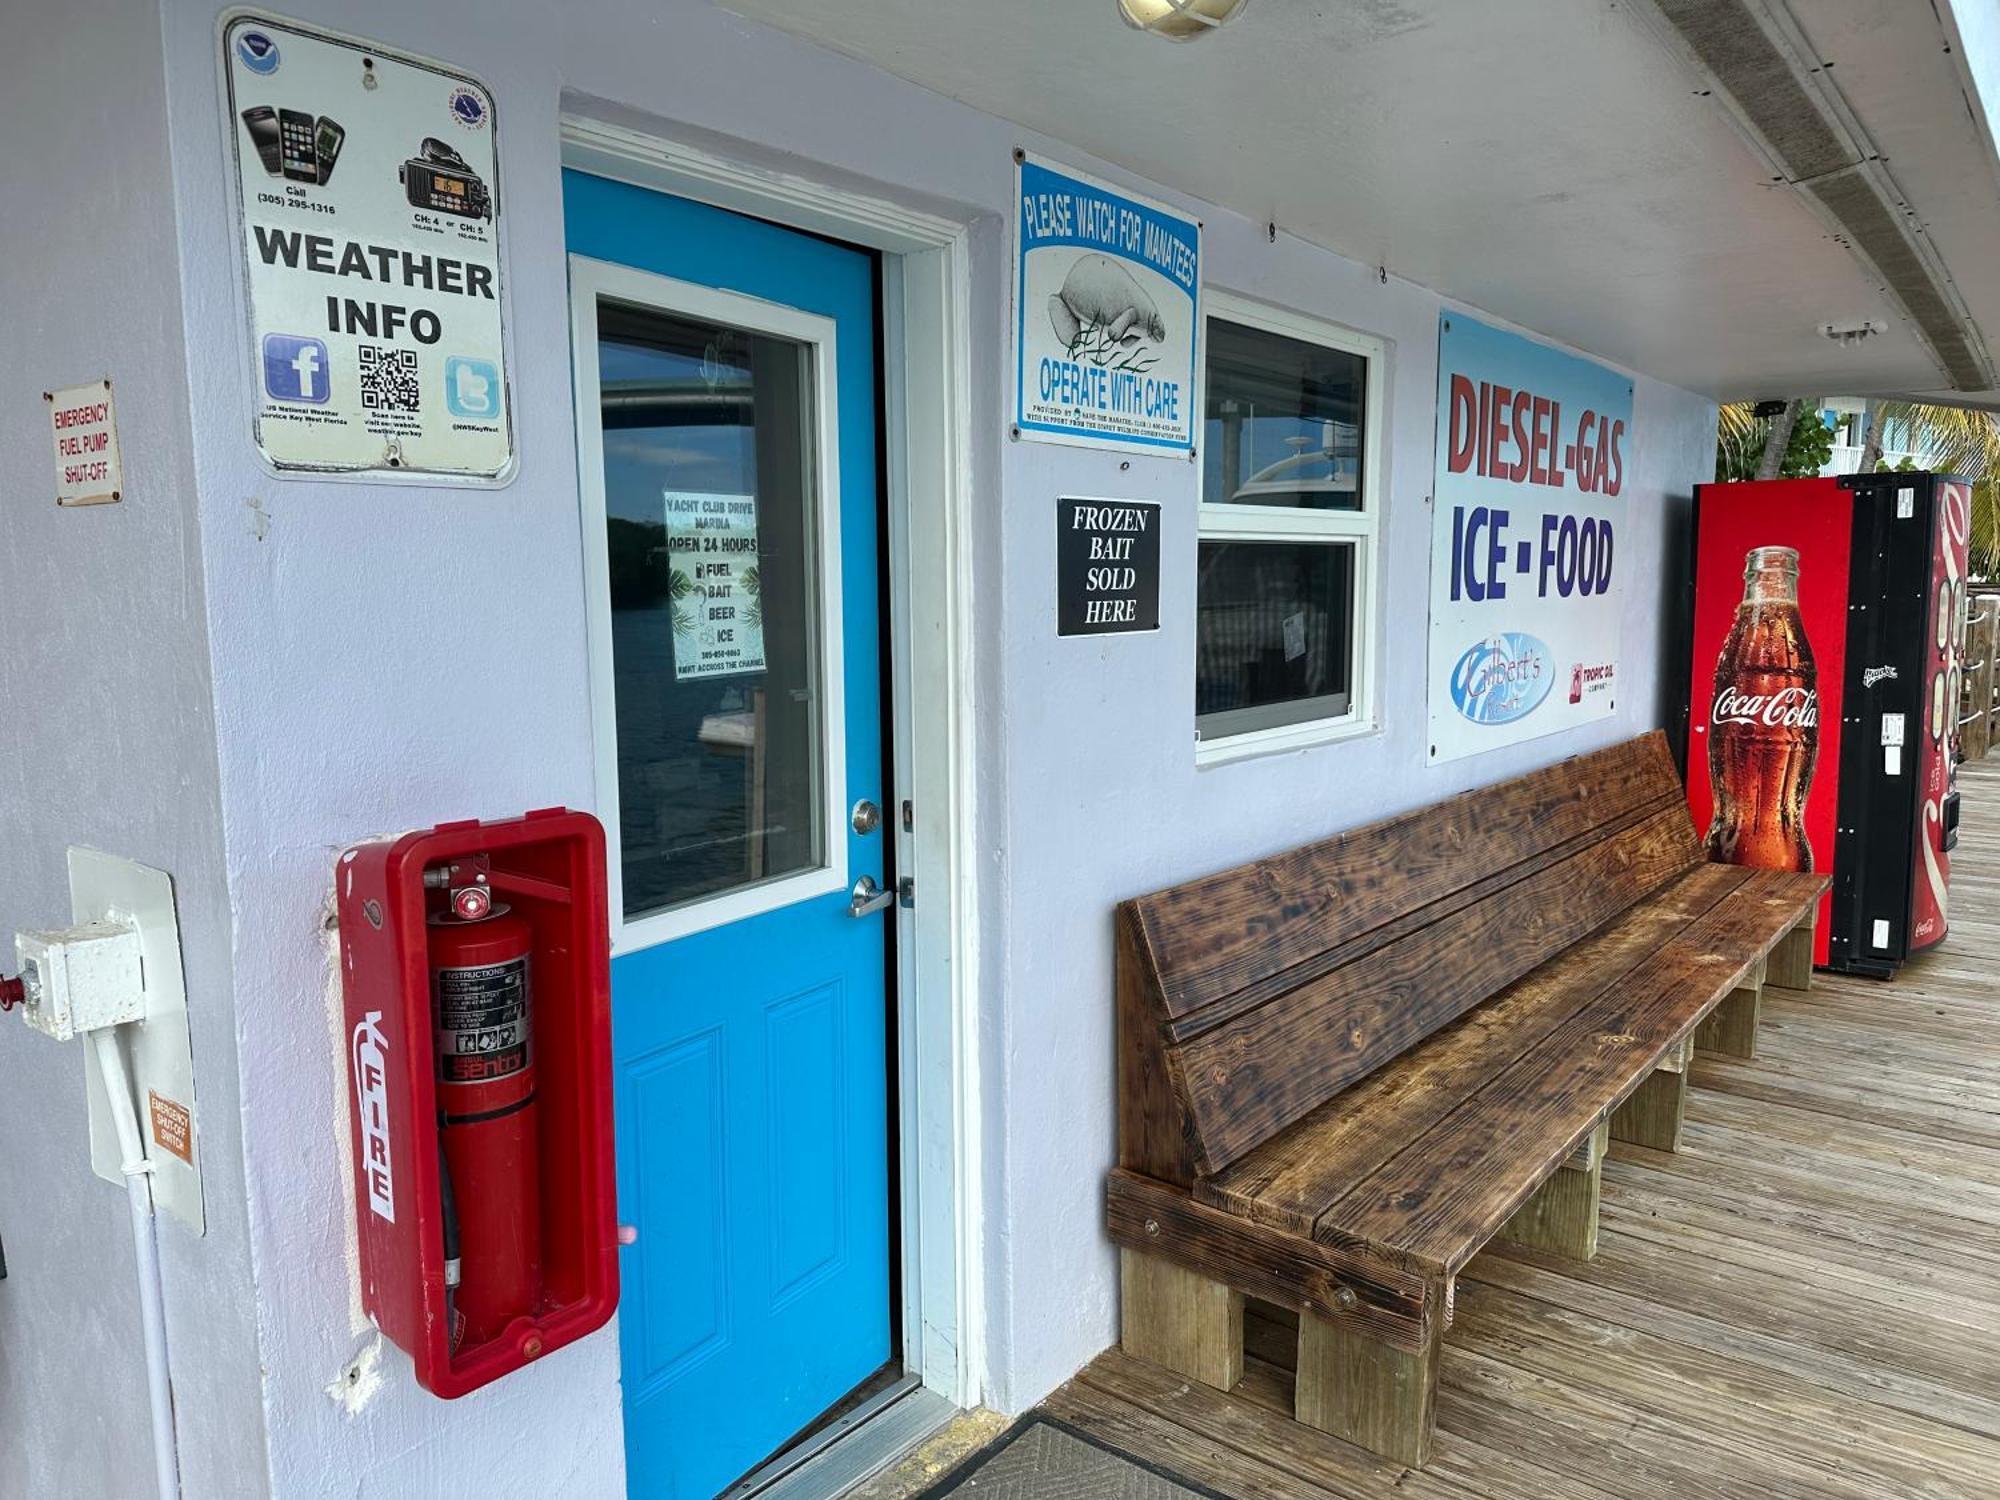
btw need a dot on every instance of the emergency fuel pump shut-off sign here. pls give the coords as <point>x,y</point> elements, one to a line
<point>369,206</point>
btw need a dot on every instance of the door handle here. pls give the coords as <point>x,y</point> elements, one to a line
<point>867,896</point>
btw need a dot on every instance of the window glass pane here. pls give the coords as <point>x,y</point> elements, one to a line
<point>1273,634</point>
<point>709,494</point>
<point>1284,421</point>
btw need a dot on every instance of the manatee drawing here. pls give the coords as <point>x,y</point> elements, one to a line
<point>1100,295</point>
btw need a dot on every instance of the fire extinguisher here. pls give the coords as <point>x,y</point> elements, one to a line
<point>483,1021</point>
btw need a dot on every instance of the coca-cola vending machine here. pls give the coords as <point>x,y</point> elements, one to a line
<point>1823,696</point>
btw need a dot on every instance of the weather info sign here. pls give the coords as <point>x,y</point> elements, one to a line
<point>369,206</point>
<point>1534,448</point>
<point>1105,293</point>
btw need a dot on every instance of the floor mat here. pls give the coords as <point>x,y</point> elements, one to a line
<point>1040,1458</point>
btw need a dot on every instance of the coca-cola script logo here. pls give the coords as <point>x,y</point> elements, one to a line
<point>1790,708</point>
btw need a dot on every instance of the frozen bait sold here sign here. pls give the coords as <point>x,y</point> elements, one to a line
<point>369,206</point>
<point>1534,448</point>
<point>1105,306</point>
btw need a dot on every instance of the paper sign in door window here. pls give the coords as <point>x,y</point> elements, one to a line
<point>714,584</point>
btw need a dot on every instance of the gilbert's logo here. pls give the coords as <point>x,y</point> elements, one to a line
<point>1501,678</point>
<point>1790,708</point>
<point>371,1108</point>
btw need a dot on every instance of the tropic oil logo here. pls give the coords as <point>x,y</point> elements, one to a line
<point>1501,678</point>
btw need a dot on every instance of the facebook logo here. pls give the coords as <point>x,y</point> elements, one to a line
<point>472,387</point>
<point>295,368</point>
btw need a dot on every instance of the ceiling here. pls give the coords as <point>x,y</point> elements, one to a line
<point>1570,165</point>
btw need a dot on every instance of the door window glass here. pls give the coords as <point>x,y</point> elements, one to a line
<point>709,469</point>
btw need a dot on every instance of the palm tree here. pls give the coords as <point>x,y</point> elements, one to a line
<point>1955,440</point>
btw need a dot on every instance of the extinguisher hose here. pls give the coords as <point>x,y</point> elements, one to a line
<point>449,1205</point>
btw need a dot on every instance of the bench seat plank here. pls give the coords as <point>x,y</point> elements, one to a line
<point>1293,1178</point>
<point>1440,1199</point>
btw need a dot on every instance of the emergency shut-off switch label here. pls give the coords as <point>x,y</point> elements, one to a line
<point>173,1126</point>
<point>482,1022</point>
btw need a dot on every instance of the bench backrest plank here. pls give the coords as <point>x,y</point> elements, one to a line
<point>1249,998</point>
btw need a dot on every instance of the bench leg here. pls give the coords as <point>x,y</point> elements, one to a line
<point>1562,1215</point>
<point>1367,1392</point>
<point>1791,966</point>
<point>1731,1028</point>
<point>1652,1116</point>
<point>1180,1319</point>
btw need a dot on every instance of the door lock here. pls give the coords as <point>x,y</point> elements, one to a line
<point>866,818</point>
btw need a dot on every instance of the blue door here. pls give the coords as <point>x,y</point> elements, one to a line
<point>727,440</point>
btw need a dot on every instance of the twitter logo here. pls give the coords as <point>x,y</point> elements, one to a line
<point>472,388</point>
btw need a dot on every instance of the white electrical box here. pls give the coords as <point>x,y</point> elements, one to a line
<point>81,978</point>
<point>104,887</point>
<point>118,970</point>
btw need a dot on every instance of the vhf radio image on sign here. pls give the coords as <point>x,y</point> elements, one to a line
<point>440,179</point>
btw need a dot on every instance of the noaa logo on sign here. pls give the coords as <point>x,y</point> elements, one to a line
<point>1501,678</point>
<point>468,107</point>
<point>257,52</point>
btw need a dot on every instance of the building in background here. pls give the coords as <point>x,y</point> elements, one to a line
<point>1847,418</point>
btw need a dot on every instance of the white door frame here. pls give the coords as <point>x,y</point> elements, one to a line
<point>926,326</point>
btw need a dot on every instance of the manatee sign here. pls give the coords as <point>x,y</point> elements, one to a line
<point>1106,305</point>
<point>1534,450</point>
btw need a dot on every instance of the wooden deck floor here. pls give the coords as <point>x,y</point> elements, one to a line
<point>1804,1301</point>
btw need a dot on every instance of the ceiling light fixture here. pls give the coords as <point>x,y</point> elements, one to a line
<point>1180,20</point>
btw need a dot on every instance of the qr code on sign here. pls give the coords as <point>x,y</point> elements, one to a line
<point>389,379</point>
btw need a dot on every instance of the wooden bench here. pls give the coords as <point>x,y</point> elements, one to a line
<point>1345,1069</point>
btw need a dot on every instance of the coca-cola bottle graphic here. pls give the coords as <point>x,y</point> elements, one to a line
<point>1763,730</point>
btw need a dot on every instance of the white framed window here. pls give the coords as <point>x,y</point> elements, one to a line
<point>1290,526</point>
<point>709,412</point>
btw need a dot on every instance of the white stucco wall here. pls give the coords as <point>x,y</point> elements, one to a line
<point>329,605</point>
<point>108,741</point>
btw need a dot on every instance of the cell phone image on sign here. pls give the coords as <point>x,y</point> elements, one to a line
<point>327,140</point>
<point>262,122</point>
<point>298,134</point>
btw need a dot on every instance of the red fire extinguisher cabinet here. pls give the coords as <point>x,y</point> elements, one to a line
<point>547,867</point>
